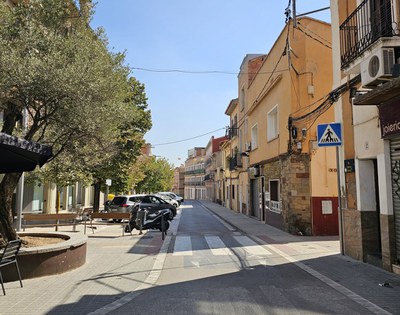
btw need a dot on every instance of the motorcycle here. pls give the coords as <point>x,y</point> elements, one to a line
<point>142,219</point>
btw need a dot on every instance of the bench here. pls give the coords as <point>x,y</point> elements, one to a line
<point>107,216</point>
<point>49,219</point>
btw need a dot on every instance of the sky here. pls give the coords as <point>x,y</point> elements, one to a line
<point>188,53</point>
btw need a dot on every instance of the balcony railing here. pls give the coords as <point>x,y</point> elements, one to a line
<point>198,171</point>
<point>369,22</point>
<point>275,206</point>
<point>236,161</point>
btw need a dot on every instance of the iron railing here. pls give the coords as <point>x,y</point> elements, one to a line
<point>370,21</point>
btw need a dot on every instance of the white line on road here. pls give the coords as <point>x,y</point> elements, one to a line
<point>251,247</point>
<point>151,279</point>
<point>183,246</point>
<point>217,246</point>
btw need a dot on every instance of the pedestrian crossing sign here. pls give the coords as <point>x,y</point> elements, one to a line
<point>329,135</point>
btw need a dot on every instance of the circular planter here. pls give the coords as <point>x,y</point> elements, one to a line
<point>50,259</point>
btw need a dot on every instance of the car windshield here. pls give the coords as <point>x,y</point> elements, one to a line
<point>118,201</point>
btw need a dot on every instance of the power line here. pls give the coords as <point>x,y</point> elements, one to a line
<point>312,37</point>
<point>311,31</point>
<point>200,71</point>
<point>187,139</point>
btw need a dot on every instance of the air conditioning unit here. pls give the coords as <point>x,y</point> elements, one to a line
<point>247,147</point>
<point>254,171</point>
<point>378,67</point>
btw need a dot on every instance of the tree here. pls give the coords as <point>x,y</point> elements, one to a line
<point>157,175</point>
<point>72,89</point>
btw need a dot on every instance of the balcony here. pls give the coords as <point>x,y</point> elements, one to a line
<point>236,161</point>
<point>195,172</point>
<point>367,24</point>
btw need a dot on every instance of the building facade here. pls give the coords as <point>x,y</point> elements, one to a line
<point>213,165</point>
<point>179,181</point>
<point>194,174</point>
<point>366,45</point>
<point>277,173</point>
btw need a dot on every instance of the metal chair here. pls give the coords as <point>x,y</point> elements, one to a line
<point>9,256</point>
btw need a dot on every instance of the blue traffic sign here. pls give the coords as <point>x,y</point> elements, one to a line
<point>329,135</point>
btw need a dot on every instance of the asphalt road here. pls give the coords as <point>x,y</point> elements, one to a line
<point>207,267</point>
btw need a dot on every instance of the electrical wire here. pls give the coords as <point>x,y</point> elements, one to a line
<point>200,71</point>
<point>317,40</point>
<point>311,31</point>
<point>333,96</point>
<point>187,139</point>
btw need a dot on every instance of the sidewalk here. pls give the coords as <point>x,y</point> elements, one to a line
<point>320,256</point>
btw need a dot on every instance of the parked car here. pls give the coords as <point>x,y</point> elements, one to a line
<point>153,203</point>
<point>169,199</point>
<point>172,195</point>
<point>123,203</point>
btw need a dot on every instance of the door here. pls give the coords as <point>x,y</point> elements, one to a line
<point>255,199</point>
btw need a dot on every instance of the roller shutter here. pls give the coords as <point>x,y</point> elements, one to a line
<point>395,164</point>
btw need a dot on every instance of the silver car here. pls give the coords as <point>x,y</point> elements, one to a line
<point>124,203</point>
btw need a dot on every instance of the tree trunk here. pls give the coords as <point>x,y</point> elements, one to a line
<point>7,187</point>
<point>96,201</point>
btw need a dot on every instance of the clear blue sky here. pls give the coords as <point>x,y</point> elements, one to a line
<point>193,36</point>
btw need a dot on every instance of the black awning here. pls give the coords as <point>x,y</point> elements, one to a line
<point>19,155</point>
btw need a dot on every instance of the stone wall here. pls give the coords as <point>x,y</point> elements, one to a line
<point>295,193</point>
<point>352,233</point>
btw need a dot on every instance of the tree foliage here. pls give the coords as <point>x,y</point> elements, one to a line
<point>76,94</point>
<point>153,175</point>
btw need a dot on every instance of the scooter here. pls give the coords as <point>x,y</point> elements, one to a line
<point>142,219</point>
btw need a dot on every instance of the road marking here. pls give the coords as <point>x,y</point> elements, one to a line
<point>151,279</point>
<point>183,246</point>
<point>251,247</point>
<point>217,246</point>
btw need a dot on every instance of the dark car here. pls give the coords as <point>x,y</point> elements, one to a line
<point>154,203</point>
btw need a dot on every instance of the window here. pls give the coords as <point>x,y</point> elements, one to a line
<point>272,124</point>
<point>254,137</point>
<point>242,98</point>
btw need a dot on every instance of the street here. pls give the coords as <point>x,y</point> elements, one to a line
<point>207,265</point>
<point>211,268</point>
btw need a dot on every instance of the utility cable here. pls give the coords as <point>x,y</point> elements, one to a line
<point>317,40</point>
<point>187,139</point>
<point>200,71</point>
<point>311,31</point>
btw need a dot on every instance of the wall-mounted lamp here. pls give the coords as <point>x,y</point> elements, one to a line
<point>304,132</point>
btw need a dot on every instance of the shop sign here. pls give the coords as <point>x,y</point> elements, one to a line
<point>389,116</point>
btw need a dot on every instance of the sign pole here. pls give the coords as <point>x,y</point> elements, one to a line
<point>340,210</point>
<point>330,135</point>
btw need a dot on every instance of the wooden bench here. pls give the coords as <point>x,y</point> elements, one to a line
<point>49,219</point>
<point>123,216</point>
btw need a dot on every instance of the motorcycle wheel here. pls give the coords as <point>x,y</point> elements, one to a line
<point>166,224</point>
<point>129,226</point>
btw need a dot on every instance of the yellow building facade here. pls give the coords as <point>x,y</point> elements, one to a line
<point>283,178</point>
